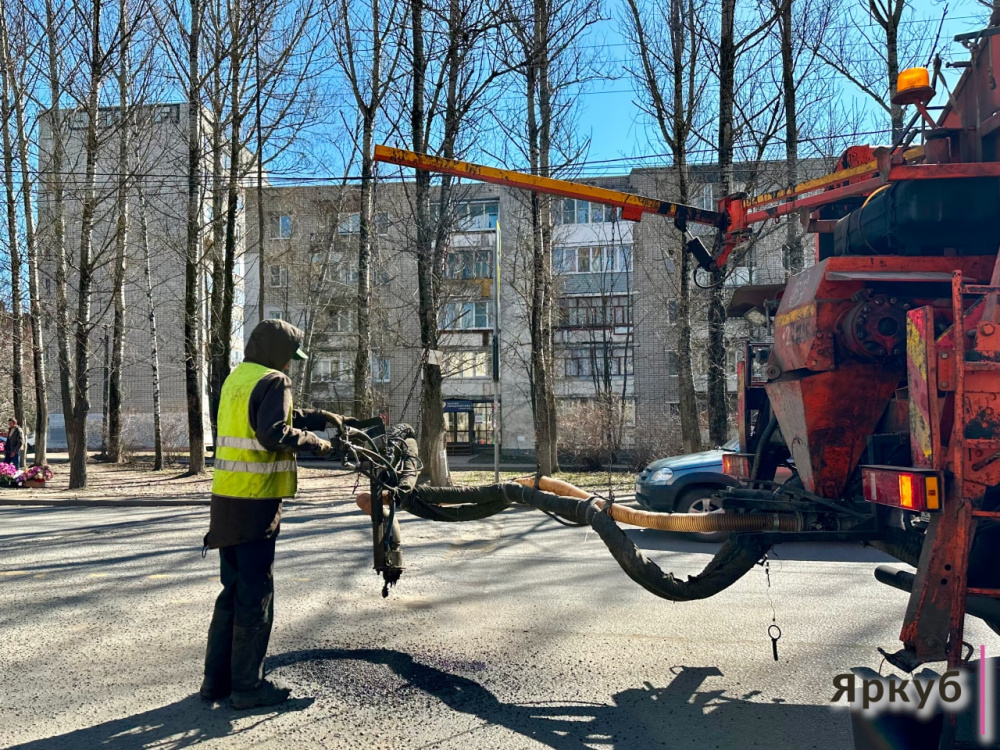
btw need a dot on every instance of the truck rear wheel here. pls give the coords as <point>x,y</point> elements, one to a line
<point>703,500</point>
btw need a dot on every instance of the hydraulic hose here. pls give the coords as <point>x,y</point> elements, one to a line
<point>730,563</point>
<point>765,437</point>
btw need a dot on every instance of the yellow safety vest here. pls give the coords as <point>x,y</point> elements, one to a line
<point>244,467</point>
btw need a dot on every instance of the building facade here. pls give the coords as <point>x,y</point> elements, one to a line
<point>157,188</point>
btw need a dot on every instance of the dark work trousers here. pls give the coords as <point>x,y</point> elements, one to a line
<point>244,611</point>
<point>15,459</point>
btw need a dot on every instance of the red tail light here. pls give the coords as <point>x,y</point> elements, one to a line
<point>736,465</point>
<point>902,488</point>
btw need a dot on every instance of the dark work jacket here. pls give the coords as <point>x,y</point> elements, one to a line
<point>235,520</point>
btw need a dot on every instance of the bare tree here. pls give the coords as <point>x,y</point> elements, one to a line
<point>23,82</point>
<point>55,36</point>
<point>9,140</point>
<point>154,359</point>
<point>367,44</point>
<point>552,67</point>
<point>460,43</point>
<point>90,19</point>
<point>269,96</point>
<point>192,255</point>
<point>671,74</point>
<point>131,75</point>
<point>872,44</point>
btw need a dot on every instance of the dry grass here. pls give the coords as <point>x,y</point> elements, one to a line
<point>138,481</point>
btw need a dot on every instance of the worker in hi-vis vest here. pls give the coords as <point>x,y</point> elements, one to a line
<point>259,434</point>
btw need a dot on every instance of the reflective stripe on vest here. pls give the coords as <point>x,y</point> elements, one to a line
<point>244,467</point>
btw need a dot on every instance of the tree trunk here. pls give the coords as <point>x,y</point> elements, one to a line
<point>793,241</point>
<point>718,419</point>
<point>432,452</point>
<point>543,32</point>
<point>222,327</point>
<point>13,244</point>
<point>34,292</point>
<point>154,342</point>
<point>115,396</point>
<point>57,163</point>
<point>81,379</point>
<point>892,68</point>
<point>220,190</point>
<point>192,260</point>
<point>363,396</point>
<point>687,398</point>
<point>539,125</point>
<point>261,224</point>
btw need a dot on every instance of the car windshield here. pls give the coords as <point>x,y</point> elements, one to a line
<point>732,445</point>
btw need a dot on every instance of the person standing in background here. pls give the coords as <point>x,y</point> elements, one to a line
<point>15,444</point>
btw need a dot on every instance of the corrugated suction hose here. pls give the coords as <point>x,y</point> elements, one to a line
<point>680,522</point>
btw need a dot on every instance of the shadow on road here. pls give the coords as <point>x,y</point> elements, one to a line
<point>185,723</point>
<point>678,716</point>
<point>667,541</point>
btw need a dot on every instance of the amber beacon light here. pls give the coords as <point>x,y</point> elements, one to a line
<point>913,86</point>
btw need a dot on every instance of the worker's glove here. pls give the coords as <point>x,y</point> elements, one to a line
<point>339,421</point>
<point>325,449</point>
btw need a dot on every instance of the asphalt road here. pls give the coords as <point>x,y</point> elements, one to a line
<point>512,632</point>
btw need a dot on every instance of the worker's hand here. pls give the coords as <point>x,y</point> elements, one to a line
<point>339,421</point>
<point>324,450</point>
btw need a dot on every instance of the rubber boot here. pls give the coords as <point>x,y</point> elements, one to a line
<point>250,689</point>
<point>218,655</point>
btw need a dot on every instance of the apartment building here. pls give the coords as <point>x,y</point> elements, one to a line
<point>157,209</point>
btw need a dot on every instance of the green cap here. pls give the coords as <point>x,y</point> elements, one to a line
<point>299,354</point>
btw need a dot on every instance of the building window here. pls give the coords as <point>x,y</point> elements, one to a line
<point>274,314</point>
<point>673,370</point>
<point>574,211</point>
<point>343,321</point>
<point>279,276</point>
<point>592,259</point>
<point>350,225</point>
<point>335,368</point>
<point>381,368</point>
<point>477,216</point>
<point>281,227</point>
<point>469,264</point>
<point>465,316</point>
<point>594,312</point>
<point>739,276</point>
<point>705,198</point>
<point>597,361</point>
<point>466,364</point>
<point>347,274</point>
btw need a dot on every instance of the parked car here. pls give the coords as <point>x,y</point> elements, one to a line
<point>684,484</point>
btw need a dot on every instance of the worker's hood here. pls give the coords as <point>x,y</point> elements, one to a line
<point>274,343</point>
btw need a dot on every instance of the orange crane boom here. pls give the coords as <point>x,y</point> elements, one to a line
<point>735,212</point>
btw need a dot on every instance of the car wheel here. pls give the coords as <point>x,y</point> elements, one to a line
<point>701,500</point>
